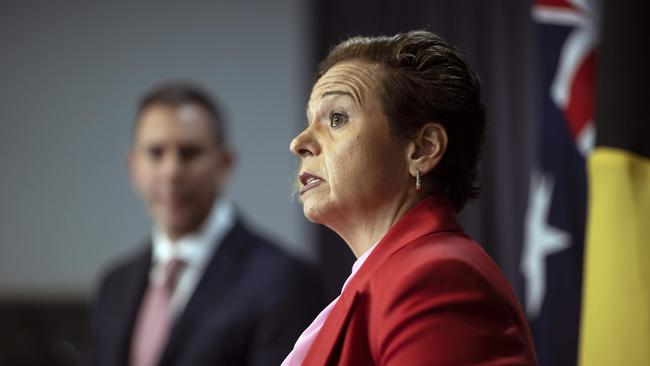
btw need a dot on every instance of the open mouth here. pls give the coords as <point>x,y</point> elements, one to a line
<point>308,182</point>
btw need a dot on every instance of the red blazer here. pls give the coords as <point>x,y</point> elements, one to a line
<point>427,295</point>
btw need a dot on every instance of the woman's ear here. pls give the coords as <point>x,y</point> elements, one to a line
<point>427,148</point>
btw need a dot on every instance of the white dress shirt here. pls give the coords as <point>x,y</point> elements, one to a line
<point>195,250</point>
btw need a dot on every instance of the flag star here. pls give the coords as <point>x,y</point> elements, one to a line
<point>541,240</point>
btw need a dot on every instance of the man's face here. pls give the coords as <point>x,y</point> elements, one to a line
<point>177,167</point>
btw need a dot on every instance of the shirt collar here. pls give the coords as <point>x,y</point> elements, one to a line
<point>358,263</point>
<point>195,248</point>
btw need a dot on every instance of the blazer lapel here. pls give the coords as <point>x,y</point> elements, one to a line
<point>329,338</point>
<point>432,215</point>
<point>127,312</point>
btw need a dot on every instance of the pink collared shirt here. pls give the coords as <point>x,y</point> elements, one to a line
<point>306,339</point>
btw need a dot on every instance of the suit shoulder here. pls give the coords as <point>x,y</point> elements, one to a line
<point>123,268</point>
<point>449,285</point>
<point>441,263</point>
<point>281,275</point>
<point>440,250</point>
<point>272,254</point>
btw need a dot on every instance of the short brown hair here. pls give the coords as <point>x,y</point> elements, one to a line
<point>177,93</point>
<point>425,79</point>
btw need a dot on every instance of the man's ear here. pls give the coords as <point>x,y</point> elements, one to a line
<point>427,148</point>
<point>134,174</point>
<point>129,162</point>
<point>226,159</point>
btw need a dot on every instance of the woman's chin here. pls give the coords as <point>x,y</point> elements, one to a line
<point>313,214</point>
<point>312,217</point>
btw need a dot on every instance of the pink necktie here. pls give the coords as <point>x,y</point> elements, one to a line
<point>154,318</point>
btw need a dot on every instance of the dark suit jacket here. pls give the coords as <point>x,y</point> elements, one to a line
<point>249,307</point>
<point>426,295</point>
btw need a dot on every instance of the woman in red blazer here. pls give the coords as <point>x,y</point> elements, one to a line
<point>389,156</point>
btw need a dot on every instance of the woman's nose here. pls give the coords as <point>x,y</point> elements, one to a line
<point>304,144</point>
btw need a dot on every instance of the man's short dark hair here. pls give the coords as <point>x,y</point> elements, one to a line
<point>175,94</point>
<point>424,79</point>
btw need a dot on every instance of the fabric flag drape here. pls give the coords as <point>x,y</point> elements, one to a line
<point>615,327</point>
<point>616,315</point>
<point>555,218</point>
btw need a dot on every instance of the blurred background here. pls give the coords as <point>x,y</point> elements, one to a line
<point>72,73</point>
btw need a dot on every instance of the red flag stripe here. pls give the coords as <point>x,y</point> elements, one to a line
<point>556,4</point>
<point>580,109</point>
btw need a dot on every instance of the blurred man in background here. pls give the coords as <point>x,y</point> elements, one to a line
<point>204,289</point>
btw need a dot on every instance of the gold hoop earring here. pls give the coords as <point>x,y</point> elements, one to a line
<point>418,181</point>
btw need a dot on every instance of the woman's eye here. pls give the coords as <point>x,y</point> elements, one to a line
<point>337,119</point>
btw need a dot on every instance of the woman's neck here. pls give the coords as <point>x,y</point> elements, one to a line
<point>363,228</point>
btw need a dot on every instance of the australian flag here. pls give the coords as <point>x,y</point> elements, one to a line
<point>552,256</point>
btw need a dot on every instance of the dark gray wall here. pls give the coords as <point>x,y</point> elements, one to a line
<point>71,73</point>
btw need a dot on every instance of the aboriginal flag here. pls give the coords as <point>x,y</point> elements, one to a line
<point>615,327</point>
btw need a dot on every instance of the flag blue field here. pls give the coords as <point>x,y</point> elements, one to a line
<point>552,256</point>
